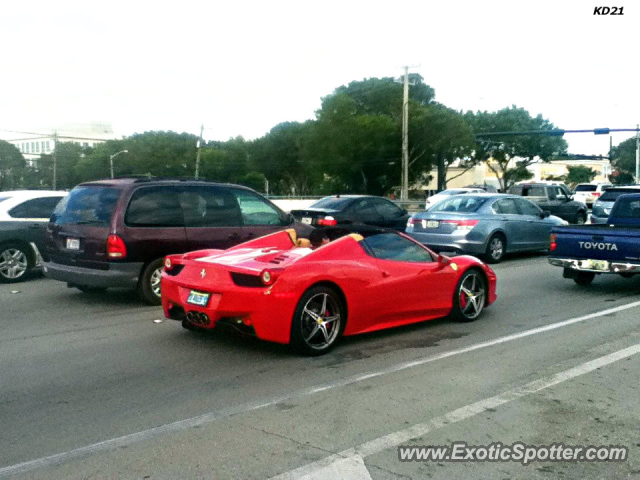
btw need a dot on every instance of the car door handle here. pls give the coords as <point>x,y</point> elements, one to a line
<point>233,236</point>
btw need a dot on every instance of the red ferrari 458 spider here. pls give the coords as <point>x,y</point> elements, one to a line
<point>283,290</point>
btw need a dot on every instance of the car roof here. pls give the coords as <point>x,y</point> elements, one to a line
<point>29,194</point>
<point>623,187</point>
<point>144,180</point>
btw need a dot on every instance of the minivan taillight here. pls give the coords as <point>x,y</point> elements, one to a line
<point>116,247</point>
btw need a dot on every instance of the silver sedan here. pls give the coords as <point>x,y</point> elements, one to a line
<point>487,225</point>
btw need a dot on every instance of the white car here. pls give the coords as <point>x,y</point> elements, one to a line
<point>24,216</point>
<point>589,192</point>
<point>433,199</point>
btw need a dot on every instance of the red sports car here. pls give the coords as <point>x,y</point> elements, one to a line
<point>283,290</point>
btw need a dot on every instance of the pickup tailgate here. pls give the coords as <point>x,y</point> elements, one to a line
<point>597,242</point>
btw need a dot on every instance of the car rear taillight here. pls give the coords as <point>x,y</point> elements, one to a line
<point>269,277</point>
<point>116,247</point>
<point>552,242</point>
<point>327,222</point>
<point>596,194</point>
<point>462,224</point>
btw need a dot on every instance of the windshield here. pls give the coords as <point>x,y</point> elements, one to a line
<point>453,191</point>
<point>87,206</point>
<point>586,188</point>
<point>611,194</point>
<point>465,204</point>
<point>332,203</point>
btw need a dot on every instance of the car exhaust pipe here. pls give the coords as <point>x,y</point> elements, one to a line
<point>198,318</point>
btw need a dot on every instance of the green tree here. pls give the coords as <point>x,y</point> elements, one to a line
<point>12,166</point>
<point>579,174</point>
<point>500,152</point>
<point>623,160</point>
<point>225,161</point>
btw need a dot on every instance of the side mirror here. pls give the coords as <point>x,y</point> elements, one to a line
<point>443,260</point>
<point>287,219</point>
<point>403,212</point>
<point>545,214</point>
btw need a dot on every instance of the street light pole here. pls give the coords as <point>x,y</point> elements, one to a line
<point>111,157</point>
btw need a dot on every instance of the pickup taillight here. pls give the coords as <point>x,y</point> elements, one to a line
<point>552,242</point>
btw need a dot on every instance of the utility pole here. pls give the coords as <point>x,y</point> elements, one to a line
<point>404,194</point>
<point>55,159</point>
<point>637,153</point>
<point>198,154</point>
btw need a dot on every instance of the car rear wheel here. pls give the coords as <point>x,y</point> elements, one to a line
<point>495,249</point>
<point>584,279</point>
<point>149,287</point>
<point>318,321</point>
<point>15,263</point>
<point>581,218</point>
<point>470,297</point>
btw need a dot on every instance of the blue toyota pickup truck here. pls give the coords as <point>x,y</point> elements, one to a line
<point>585,251</point>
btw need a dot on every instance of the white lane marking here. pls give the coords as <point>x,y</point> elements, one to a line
<point>352,468</point>
<point>216,415</point>
<point>419,430</point>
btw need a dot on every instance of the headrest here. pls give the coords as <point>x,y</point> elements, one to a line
<point>356,237</point>
<point>303,243</point>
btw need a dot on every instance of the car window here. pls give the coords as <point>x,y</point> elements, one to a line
<point>2,199</point>
<point>465,203</point>
<point>35,208</point>
<point>391,246</point>
<point>210,207</point>
<point>332,203</point>
<point>86,205</point>
<point>363,206</point>
<point>527,208</point>
<point>627,208</point>
<point>155,207</point>
<point>255,210</point>
<point>560,193</point>
<point>534,192</point>
<point>586,188</point>
<point>386,208</point>
<point>612,193</point>
<point>505,206</point>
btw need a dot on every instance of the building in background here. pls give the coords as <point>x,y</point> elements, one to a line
<point>40,141</point>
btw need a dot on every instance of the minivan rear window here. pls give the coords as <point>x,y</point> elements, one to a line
<point>90,205</point>
<point>610,195</point>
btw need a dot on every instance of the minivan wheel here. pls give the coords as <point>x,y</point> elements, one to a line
<point>149,288</point>
<point>15,263</point>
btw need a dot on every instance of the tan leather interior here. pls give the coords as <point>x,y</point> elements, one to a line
<point>303,243</point>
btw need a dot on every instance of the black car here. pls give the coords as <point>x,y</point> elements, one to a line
<point>23,222</point>
<point>353,210</point>
<point>556,199</point>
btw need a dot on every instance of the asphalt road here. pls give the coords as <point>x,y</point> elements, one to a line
<point>92,387</point>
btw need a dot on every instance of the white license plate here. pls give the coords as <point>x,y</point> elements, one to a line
<point>306,220</point>
<point>432,224</point>
<point>198,298</point>
<point>595,264</point>
<point>73,244</point>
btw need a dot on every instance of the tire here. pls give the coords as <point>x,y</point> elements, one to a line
<point>148,285</point>
<point>312,331</point>
<point>496,247</point>
<point>581,218</point>
<point>88,289</point>
<point>470,296</point>
<point>584,279</point>
<point>16,261</point>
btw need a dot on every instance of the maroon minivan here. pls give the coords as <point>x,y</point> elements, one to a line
<point>116,233</point>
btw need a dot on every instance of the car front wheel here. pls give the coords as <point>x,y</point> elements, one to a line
<point>470,297</point>
<point>15,263</point>
<point>318,321</point>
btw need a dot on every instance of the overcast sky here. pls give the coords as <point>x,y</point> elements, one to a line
<point>242,67</point>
